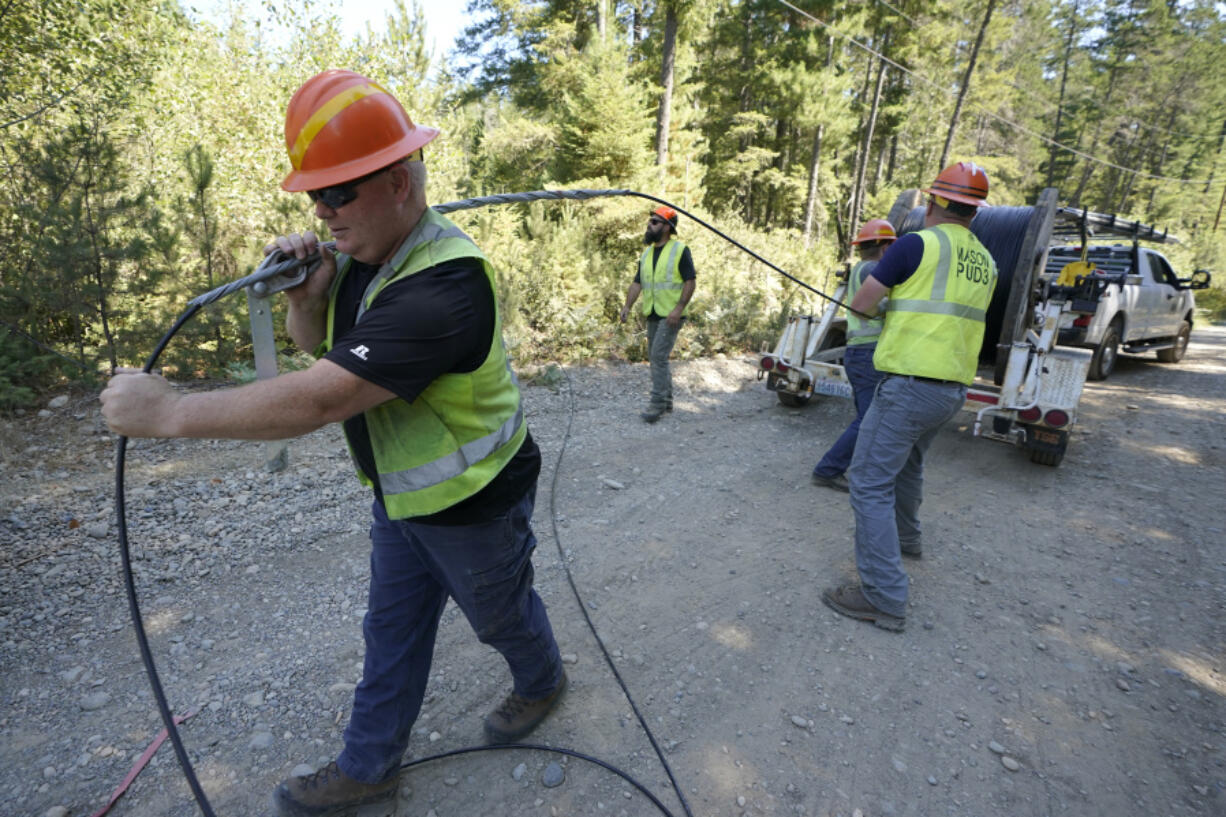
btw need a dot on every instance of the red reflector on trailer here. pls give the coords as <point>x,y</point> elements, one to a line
<point>1082,320</point>
<point>781,367</point>
<point>1056,418</point>
<point>982,397</point>
<point>1030,415</point>
<point>768,363</point>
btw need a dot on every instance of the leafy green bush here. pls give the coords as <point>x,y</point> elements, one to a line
<point>1212,303</point>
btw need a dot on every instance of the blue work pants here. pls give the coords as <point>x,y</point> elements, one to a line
<point>887,480</point>
<point>414,568</point>
<point>864,377</point>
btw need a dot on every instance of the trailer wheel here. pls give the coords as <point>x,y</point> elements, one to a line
<point>1051,458</point>
<point>792,400</point>
<point>1176,352</point>
<point>1102,363</point>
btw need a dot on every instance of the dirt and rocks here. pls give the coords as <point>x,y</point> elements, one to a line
<point>1064,651</point>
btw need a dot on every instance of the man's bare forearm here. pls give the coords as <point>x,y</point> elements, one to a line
<point>307,325</point>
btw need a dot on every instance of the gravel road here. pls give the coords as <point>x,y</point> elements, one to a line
<point>1064,651</point>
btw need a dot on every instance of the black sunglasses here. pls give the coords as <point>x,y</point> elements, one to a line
<point>338,195</point>
<point>654,220</point>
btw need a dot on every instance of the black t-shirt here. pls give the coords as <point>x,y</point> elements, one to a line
<point>685,266</point>
<point>434,322</point>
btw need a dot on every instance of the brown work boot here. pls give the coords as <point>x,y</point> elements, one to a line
<point>838,482</point>
<point>850,601</point>
<point>330,792</point>
<point>516,716</point>
<point>652,414</point>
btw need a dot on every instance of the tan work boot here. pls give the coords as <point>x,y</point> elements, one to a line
<point>330,792</point>
<point>516,716</point>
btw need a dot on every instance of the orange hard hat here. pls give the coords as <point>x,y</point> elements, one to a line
<point>964,182</point>
<point>341,126</point>
<point>668,214</point>
<point>877,229</point>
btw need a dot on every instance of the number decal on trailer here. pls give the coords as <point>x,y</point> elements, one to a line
<point>833,388</point>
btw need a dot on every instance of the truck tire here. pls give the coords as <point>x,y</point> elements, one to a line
<point>792,400</point>
<point>1176,352</point>
<point>1102,363</point>
<point>1051,458</point>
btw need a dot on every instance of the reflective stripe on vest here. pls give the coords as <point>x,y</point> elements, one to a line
<point>462,430</point>
<point>934,321</point>
<point>859,330</point>
<point>452,465</point>
<point>661,282</point>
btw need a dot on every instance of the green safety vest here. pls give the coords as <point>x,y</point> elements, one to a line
<point>463,429</point>
<point>934,321</point>
<point>661,283</point>
<point>859,330</point>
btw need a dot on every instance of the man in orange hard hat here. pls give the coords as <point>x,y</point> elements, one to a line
<point>665,277</point>
<point>940,282</point>
<point>871,242</point>
<point>406,328</point>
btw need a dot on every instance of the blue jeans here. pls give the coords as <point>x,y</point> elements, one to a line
<point>414,568</point>
<point>660,341</point>
<point>858,364</point>
<point>887,480</point>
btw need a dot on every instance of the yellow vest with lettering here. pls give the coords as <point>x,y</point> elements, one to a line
<point>935,319</point>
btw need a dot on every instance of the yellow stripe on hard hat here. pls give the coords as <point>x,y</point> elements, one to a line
<point>324,115</point>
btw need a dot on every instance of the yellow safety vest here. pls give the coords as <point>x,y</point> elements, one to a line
<point>934,321</point>
<point>661,282</point>
<point>859,330</point>
<point>463,429</point>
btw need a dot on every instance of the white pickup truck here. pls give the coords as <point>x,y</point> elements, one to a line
<point>1144,306</point>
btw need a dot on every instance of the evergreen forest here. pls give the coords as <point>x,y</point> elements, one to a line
<point>142,149</point>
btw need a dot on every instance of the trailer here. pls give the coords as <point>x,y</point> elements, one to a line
<point>1027,389</point>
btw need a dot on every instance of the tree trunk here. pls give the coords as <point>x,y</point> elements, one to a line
<point>1068,52</point>
<point>966,83</point>
<point>97,262</point>
<point>877,173</point>
<point>858,157</point>
<point>815,164</point>
<point>858,196</point>
<point>1088,170</point>
<point>1141,158</point>
<point>1221,140</point>
<point>602,18</point>
<point>746,101</point>
<point>667,70</point>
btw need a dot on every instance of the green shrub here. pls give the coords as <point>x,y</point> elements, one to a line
<point>1212,303</point>
<point>22,370</point>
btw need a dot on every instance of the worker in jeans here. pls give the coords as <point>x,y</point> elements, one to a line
<point>871,242</point>
<point>940,282</point>
<point>411,361</point>
<point>665,277</point>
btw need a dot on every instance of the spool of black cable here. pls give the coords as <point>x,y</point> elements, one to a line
<point>1002,231</point>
